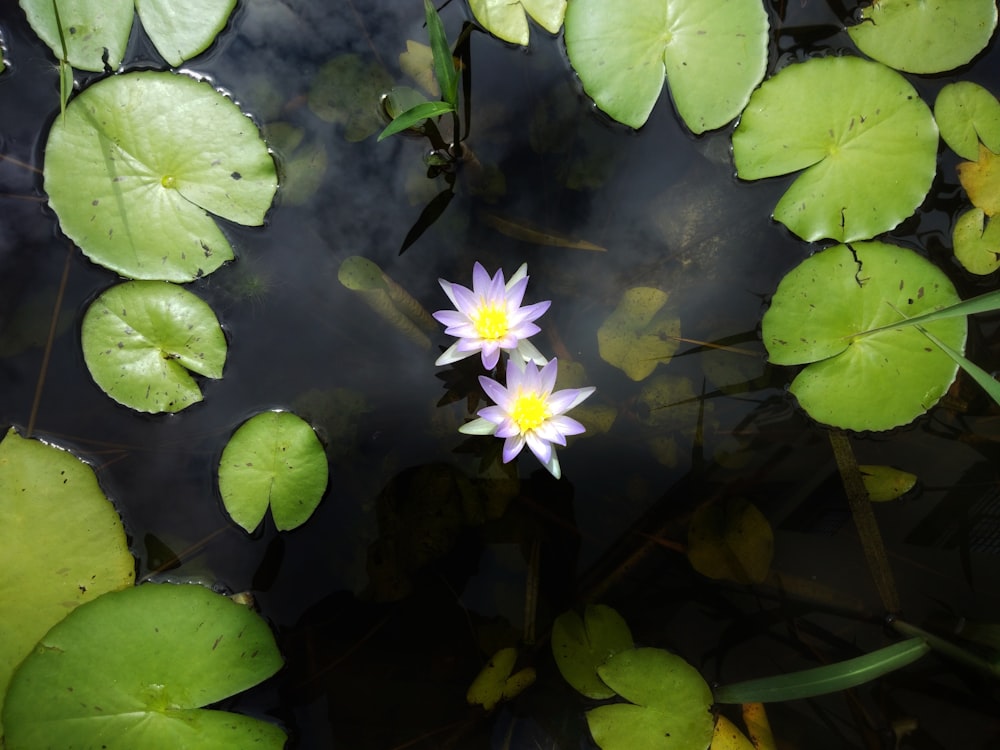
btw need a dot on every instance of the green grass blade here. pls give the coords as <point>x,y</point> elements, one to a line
<point>827,679</point>
<point>444,64</point>
<point>985,380</point>
<point>983,303</point>
<point>413,115</point>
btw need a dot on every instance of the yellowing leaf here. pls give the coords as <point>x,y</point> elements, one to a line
<point>731,541</point>
<point>727,736</point>
<point>758,727</point>
<point>981,180</point>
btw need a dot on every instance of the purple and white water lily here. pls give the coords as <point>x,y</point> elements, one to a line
<point>489,318</point>
<point>527,412</point>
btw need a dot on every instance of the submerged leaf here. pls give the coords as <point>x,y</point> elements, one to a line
<point>967,113</point>
<point>731,541</point>
<point>981,180</point>
<point>885,483</point>
<point>635,338</point>
<point>346,90</point>
<point>581,645</point>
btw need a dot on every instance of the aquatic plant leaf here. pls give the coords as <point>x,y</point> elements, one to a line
<point>885,483</point>
<point>444,64</point>
<point>985,380</point>
<point>731,541</point>
<point>181,29</point>
<point>727,736</point>
<point>142,339</point>
<point>95,32</point>
<point>866,142</point>
<point>712,52</point>
<point>133,668</point>
<point>509,20</point>
<point>669,705</point>
<point>301,165</point>
<point>61,544</point>
<point>981,180</point>
<point>581,645</point>
<point>830,311</point>
<point>924,37</point>
<point>635,338</point>
<point>495,682</point>
<point>275,459</point>
<point>977,242</point>
<point>966,114</point>
<point>414,116</point>
<point>346,91</point>
<point>139,159</point>
<point>418,63</point>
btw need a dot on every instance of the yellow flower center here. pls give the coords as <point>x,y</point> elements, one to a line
<point>491,322</point>
<point>529,411</point>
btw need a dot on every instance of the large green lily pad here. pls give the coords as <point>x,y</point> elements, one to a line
<point>96,32</point>
<point>140,340</point>
<point>669,705</point>
<point>581,644</point>
<point>274,459</point>
<point>137,162</point>
<point>866,141</point>
<point>967,113</point>
<point>61,544</point>
<point>133,668</point>
<point>929,36</point>
<point>509,20</point>
<point>824,315</point>
<point>712,52</point>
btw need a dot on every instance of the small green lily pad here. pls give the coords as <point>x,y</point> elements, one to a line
<point>509,20</point>
<point>275,459</point>
<point>133,668</point>
<point>495,683</point>
<point>61,544</point>
<point>139,159</point>
<point>968,114</point>
<point>930,36</point>
<point>866,141</point>
<point>977,242</point>
<point>669,709</point>
<point>581,645</point>
<point>713,53</point>
<point>731,541</point>
<point>636,337</point>
<point>825,313</point>
<point>141,339</point>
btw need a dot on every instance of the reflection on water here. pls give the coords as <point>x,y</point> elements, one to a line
<point>413,569</point>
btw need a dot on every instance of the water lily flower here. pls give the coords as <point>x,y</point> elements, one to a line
<point>527,412</point>
<point>489,318</point>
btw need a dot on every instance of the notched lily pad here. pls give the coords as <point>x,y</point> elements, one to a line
<point>509,20</point>
<point>968,114</point>
<point>142,339</point>
<point>977,242</point>
<point>495,683</point>
<point>139,161</point>
<point>581,645</point>
<point>731,541</point>
<point>866,142</point>
<point>275,459</point>
<point>636,337</point>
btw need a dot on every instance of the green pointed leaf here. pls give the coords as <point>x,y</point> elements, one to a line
<point>61,544</point>
<point>967,113</point>
<point>141,338</point>
<point>132,669</point>
<point>444,65</point>
<point>636,337</point>
<point>930,36</point>
<point>985,380</point>
<point>274,459</point>
<point>181,29</point>
<point>731,540</point>
<point>581,645</point>
<point>829,311</point>
<point>866,142</point>
<point>509,20</point>
<point>669,709</point>
<point>93,31</point>
<point>712,52</point>
<point>139,159</point>
<point>414,116</point>
<point>977,242</point>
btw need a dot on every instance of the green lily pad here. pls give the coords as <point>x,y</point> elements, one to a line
<point>966,114</point>
<point>133,668</point>
<point>495,683</point>
<point>977,242</point>
<point>925,37</point>
<point>581,645</point>
<point>509,20</point>
<point>61,544</point>
<point>866,141</point>
<point>825,314</point>
<point>274,459</point>
<point>140,340</point>
<point>138,160</point>
<point>346,90</point>
<point>96,32</point>
<point>635,337</point>
<point>669,709</point>
<point>731,541</point>
<point>712,52</point>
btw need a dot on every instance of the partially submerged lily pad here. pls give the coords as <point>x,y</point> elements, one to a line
<point>825,314</point>
<point>581,645</point>
<point>925,37</point>
<point>140,340</point>
<point>712,54</point>
<point>509,20</point>
<point>139,160</point>
<point>636,337</point>
<point>134,668</point>
<point>968,114</point>
<point>866,141</point>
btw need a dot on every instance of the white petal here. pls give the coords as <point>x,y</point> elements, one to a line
<point>553,466</point>
<point>478,427</point>
<point>519,274</point>
<point>452,354</point>
<point>529,353</point>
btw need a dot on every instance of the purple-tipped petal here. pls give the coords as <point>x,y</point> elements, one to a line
<point>514,294</point>
<point>491,354</point>
<point>547,376</point>
<point>496,392</point>
<point>494,414</point>
<point>564,400</point>
<point>550,432</point>
<point>511,447</point>
<point>566,425</point>
<point>450,318</point>
<point>466,302</point>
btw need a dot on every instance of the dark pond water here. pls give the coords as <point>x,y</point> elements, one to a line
<point>390,599</point>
